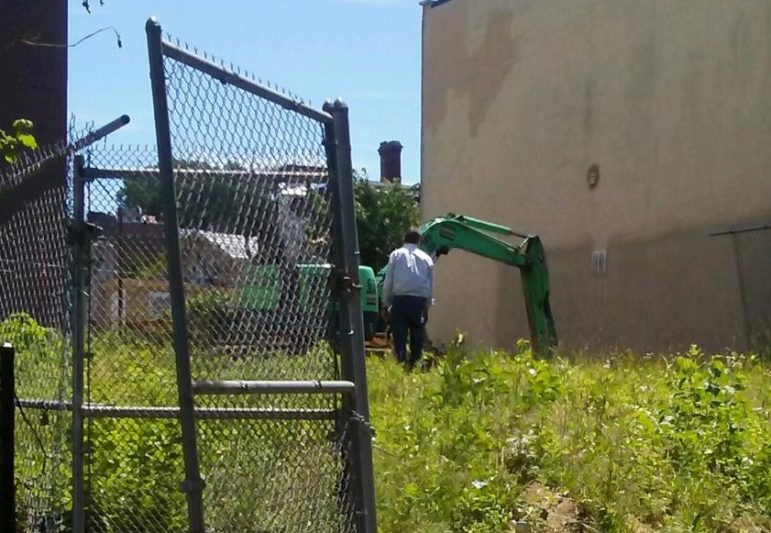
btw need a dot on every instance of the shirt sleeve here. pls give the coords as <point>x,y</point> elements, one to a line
<point>388,285</point>
<point>430,284</point>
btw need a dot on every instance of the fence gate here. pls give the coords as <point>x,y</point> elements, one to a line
<point>260,237</point>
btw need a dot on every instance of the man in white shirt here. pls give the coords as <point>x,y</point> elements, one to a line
<point>407,293</point>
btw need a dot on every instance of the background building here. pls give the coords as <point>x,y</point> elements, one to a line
<point>625,133</point>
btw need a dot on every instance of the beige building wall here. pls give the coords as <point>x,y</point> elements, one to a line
<point>671,99</point>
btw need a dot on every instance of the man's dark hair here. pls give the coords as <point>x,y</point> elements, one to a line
<point>412,236</point>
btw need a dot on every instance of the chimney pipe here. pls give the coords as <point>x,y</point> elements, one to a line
<point>390,161</point>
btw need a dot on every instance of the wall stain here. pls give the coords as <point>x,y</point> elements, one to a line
<point>588,107</point>
<point>499,49</point>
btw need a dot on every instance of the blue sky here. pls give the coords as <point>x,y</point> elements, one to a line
<point>365,51</point>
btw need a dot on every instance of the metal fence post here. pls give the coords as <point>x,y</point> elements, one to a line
<point>338,141</point>
<point>80,246</point>
<point>193,484</point>
<point>7,442</point>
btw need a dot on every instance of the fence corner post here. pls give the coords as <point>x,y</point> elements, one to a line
<point>7,436</point>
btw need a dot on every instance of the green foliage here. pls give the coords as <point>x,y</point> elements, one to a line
<point>382,217</point>
<point>145,195</point>
<point>209,315</point>
<point>212,202</point>
<point>138,465</point>
<point>150,267</point>
<point>20,138</point>
<point>479,442</point>
<point>486,439</point>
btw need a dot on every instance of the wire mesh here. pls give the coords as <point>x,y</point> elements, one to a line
<point>275,476</point>
<point>255,219</point>
<point>255,229</point>
<point>34,309</point>
<point>134,471</point>
<point>254,205</point>
<point>132,357</point>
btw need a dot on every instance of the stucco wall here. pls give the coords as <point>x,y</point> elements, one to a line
<point>670,99</point>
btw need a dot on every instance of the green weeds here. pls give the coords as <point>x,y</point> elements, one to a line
<point>486,440</point>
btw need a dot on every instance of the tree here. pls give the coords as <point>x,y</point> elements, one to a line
<point>383,214</point>
<point>215,201</point>
<point>224,203</point>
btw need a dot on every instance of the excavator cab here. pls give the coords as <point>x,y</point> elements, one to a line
<point>265,288</point>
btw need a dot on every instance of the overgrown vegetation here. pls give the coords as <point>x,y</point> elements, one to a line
<point>487,439</point>
<point>484,441</point>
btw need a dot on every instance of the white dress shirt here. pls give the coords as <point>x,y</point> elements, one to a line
<point>410,272</point>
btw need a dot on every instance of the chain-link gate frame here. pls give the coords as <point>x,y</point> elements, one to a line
<point>345,396</point>
<point>299,422</point>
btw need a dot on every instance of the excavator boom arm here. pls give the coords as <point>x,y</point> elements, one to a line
<point>475,236</point>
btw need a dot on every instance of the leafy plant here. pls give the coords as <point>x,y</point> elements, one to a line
<point>210,314</point>
<point>20,138</point>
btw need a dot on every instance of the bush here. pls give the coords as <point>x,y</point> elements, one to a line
<point>210,314</point>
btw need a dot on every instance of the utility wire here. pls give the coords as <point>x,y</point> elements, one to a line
<point>76,43</point>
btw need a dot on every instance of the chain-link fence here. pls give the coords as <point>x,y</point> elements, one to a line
<point>34,278</point>
<point>189,338</point>
<point>262,212</point>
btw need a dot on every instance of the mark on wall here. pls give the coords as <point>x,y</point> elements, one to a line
<point>599,262</point>
<point>498,49</point>
<point>593,176</point>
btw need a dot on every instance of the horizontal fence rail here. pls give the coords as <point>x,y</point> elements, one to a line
<point>273,387</point>
<point>223,75</point>
<point>203,413</point>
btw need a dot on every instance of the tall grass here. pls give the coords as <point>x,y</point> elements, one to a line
<point>492,441</point>
<point>484,441</point>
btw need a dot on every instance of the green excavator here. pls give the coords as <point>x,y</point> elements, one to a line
<point>439,236</point>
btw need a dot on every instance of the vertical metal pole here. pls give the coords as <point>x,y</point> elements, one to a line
<point>119,266</point>
<point>80,246</point>
<point>742,293</point>
<point>193,484</point>
<point>7,442</point>
<point>351,318</point>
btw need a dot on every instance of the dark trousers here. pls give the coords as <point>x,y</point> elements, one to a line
<point>409,315</point>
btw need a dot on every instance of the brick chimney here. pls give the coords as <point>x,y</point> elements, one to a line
<point>390,161</point>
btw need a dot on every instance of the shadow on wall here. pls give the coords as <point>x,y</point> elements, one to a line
<point>654,296</point>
